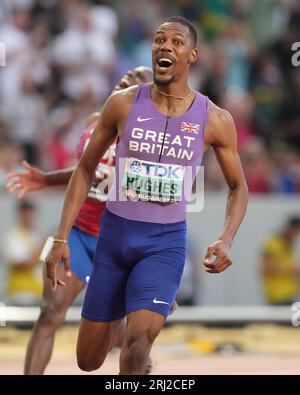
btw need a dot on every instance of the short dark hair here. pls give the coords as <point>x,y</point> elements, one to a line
<point>25,205</point>
<point>294,222</point>
<point>184,22</point>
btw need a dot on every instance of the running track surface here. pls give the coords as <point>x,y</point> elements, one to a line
<point>212,365</point>
<point>181,349</point>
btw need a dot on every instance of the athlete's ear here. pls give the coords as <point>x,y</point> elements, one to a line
<point>193,55</point>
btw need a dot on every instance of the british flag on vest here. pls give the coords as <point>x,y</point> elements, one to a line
<point>190,127</point>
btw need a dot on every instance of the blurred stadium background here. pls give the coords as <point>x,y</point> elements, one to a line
<point>63,57</point>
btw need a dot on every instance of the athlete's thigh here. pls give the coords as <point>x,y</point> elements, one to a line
<point>96,339</point>
<point>104,299</point>
<point>105,295</point>
<point>145,321</point>
<point>154,282</point>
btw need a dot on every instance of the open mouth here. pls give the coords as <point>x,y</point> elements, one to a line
<point>165,63</point>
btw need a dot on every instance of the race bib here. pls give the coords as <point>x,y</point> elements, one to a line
<point>154,182</point>
<point>104,175</point>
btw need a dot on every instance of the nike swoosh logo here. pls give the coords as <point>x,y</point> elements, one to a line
<point>143,119</point>
<point>159,301</point>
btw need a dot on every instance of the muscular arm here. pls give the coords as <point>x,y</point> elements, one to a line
<point>81,181</point>
<point>33,179</point>
<point>59,177</point>
<point>82,178</point>
<point>111,122</point>
<point>221,135</point>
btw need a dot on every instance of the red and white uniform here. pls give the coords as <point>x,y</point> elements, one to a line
<point>91,210</point>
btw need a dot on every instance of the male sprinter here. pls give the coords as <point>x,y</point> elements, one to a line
<point>163,129</point>
<point>82,238</point>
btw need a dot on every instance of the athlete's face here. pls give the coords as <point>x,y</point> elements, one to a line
<point>134,77</point>
<point>293,233</point>
<point>172,52</point>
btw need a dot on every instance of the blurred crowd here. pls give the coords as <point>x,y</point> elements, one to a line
<point>64,56</point>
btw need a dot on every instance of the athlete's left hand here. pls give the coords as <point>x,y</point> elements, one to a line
<point>221,250</point>
<point>59,252</point>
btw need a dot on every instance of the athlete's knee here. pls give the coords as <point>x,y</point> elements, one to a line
<point>141,337</point>
<point>89,364</point>
<point>51,316</point>
<point>135,350</point>
<point>89,358</point>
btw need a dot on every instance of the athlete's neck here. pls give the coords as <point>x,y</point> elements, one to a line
<point>171,101</point>
<point>175,89</point>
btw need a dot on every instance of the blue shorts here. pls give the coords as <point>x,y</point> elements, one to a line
<point>82,248</point>
<point>137,265</point>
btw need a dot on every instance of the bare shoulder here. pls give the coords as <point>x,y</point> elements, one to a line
<point>117,106</point>
<point>124,96</point>
<point>220,128</point>
<point>218,116</point>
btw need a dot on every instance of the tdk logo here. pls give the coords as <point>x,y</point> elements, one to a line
<point>161,170</point>
<point>156,170</point>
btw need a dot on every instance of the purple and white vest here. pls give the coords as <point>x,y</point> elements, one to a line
<point>157,159</point>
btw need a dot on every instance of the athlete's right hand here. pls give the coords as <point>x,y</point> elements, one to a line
<point>59,253</point>
<point>23,182</point>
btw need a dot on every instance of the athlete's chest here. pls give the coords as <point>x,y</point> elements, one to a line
<point>163,139</point>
